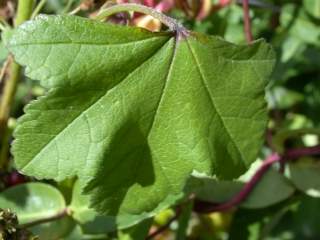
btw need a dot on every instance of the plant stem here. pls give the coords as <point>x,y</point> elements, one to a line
<point>304,151</point>
<point>246,19</point>
<point>5,148</point>
<point>8,95</point>
<point>173,24</point>
<point>59,215</point>
<point>25,8</point>
<point>205,207</point>
<point>4,69</point>
<point>243,194</point>
<point>38,8</point>
<point>23,13</point>
<point>68,6</point>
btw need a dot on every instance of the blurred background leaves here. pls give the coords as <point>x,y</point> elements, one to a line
<point>293,95</point>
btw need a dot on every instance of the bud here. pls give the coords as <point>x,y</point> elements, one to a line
<point>148,22</point>
<point>9,228</point>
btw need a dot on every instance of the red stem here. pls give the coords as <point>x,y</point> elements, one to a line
<point>246,19</point>
<point>243,194</point>
<point>304,151</point>
<point>205,207</point>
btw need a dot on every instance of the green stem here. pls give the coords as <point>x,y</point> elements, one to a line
<point>57,216</point>
<point>38,8</point>
<point>183,220</point>
<point>68,6</point>
<point>8,95</point>
<point>25,8</point>
<point>23,13</point>
<point>173,24</point>
<point>5,148</point>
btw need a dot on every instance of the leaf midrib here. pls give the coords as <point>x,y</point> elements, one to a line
<point>23,168</point>
<point>203,79</point>
<point>84,43</point>
<point>163,90</point>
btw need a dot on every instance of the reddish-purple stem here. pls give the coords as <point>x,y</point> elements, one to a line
<point>246,19</point>
<point>304,151</point>
<point>242,195</point>
<point>205,207</point>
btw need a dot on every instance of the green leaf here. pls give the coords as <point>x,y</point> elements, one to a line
<point>312,7</point>
<point>183,221</point>
<point>54,230</point>
<point>133,113</point>
<point>213,190</point>
<point>32,201</point>
<point>299,26</point>
<point>300,222</point>
<point>90,221</point>
<point>137,232</point>
<point>3,52</point>
<point>77,234</point>
<point>305,175</point>
<point>272,182</point>
<point>283,98</point>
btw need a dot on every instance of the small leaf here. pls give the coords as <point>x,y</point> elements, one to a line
<point>90,221</point>
<point>77,234</point>
<point>32,201</point>
<point>183,221</point>
<point>137,232</point>
<point>213,190</point>
<point>312,7</point>
<point>133,113</point>
<point>299,26</point>
<point>271,189</point>
<point>54,230</point>
<point>305,175</point>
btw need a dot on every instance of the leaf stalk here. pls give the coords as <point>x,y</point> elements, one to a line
<point>205,207</point>
<point>246,19</point>
<point>59,215</point>
<point>171,23</point>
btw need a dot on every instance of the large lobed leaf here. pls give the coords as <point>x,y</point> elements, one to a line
<point>133,113</point>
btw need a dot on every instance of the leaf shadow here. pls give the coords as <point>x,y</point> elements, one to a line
<point>127,163</point>
<point>17,194</point>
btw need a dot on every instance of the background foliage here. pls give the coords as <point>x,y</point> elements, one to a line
<point>282,206</point>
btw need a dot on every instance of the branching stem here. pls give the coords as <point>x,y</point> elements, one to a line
<point>204,207</point>
<point>59,215</point>
<point>38,8</point>
<point>171,23</point>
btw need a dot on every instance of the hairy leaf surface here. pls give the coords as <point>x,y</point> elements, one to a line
<point>133,113</point>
